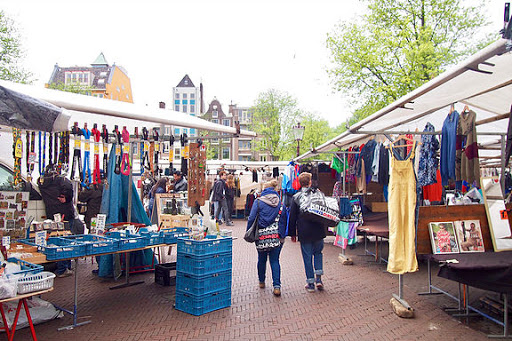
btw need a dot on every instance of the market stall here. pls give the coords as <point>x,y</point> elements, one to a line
<point>467,106</point>
<point>62,147</point>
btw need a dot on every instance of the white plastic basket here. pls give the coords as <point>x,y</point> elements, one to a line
<point>37,282</point>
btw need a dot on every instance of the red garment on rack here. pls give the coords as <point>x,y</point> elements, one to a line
<point>434,192</point>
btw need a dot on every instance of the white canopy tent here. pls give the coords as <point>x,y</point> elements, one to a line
<point>483,82</point>
<point>77,105</point>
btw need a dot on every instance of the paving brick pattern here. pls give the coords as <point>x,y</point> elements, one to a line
<point>354,306</point>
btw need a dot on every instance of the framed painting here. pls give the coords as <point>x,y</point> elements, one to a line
<point>469,235</point>
<point>443,238</point>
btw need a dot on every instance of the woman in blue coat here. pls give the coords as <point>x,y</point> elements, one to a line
<point>268,206</point>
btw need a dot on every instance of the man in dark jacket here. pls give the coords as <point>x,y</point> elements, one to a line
<point>180,183</point>
<point>311,237</point>
<point>219,199</point>
<point>57,193</point>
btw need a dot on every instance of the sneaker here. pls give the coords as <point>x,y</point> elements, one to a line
<point>277,291</point>
<point>262,285</point>
<point>310,287</point>
<point>66,273</point>
<point>230,223</point>
<point>319,285</point>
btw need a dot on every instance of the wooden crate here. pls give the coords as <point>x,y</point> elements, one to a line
<point>170,221</point>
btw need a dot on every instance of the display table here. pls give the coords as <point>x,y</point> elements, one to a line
<point>22,300</point>
<point>484,270</point>
<point>375,225</point>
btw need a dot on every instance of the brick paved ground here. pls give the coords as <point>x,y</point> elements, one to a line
<point>354,306</point>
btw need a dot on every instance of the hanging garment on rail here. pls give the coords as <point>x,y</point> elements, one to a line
<point>429,161</point>
<point>448,138</point>
<point>467,167</point>
<point>401,215</point>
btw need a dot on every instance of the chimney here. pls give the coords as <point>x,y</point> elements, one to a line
<point>161,105</point>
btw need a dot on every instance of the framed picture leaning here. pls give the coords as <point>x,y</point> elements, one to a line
<point>443,238</point>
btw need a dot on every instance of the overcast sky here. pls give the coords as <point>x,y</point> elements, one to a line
<point>237,48</point>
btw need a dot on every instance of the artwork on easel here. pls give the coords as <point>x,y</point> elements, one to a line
<point>469,235</point>
<point>443,238</point>
<point>497,215</point>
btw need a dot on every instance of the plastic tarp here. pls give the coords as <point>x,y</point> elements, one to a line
<point>483,82</point>
<point>114,204</point>
<point>24,112</point>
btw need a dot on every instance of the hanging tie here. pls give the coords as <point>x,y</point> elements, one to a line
<point>119,143</point>
<point>96,177</point>
<point>144,155</point>
<point>104,137</point>
<point>17,152</point>
<point>87,152</point>
<point>157,150</point>
<point>77,155</point>
<point>125,164</point>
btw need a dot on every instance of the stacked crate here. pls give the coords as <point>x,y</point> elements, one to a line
<point>203,276</point>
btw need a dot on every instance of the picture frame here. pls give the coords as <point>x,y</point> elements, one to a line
<point>469,235</point>
<point>443,237</point>
<point>499,227</point>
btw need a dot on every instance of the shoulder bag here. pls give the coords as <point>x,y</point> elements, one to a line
<point>251,235</point>
<point>268,237</point>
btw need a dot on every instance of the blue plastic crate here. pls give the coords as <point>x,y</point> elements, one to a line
<point>59,248</point>
<point>200,285</point>
<point>26,267</point>
<point>171,235</point>
<point>128,241</point>
<point>199,305</point>
<point>94,244</point>
<point>153,238</point>
<point>204,265</point>
<point>209,246</point>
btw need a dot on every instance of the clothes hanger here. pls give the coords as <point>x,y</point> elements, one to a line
<point>452,108</point>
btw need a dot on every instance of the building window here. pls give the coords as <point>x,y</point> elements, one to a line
<point>244,144</point>
<point>184,108</point>
<point>184,95</point>
<point>177,153</point>
<point>80,77</point>
<point>177,131</point>
<point>215,121</point>
<point>177,96</point>
<point>225,153</point>
<point>215,153</point>
<point>227,123</point>
<point>192,108</point>
<point>167,130</point>
<point>215,113</point>
<point>263,158</point>
<point>215,141</point>
<point>184,101</point>
<point>192,96</point>
<point>177,107</point>
<point>192,132</point>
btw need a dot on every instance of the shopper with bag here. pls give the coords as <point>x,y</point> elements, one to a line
<point>268,215</point>
<point>311,236</point>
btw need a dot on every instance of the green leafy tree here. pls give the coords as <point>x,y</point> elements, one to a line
<point>76,88</point>
<point>275,112</point>
<point>399,45</point>
<point>11,54</point>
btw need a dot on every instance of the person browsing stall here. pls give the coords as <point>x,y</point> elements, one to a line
<point>311,237</point>
<point>267,207</point>
<point>180,183</point>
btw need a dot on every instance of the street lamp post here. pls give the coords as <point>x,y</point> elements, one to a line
<point>298,133</point>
